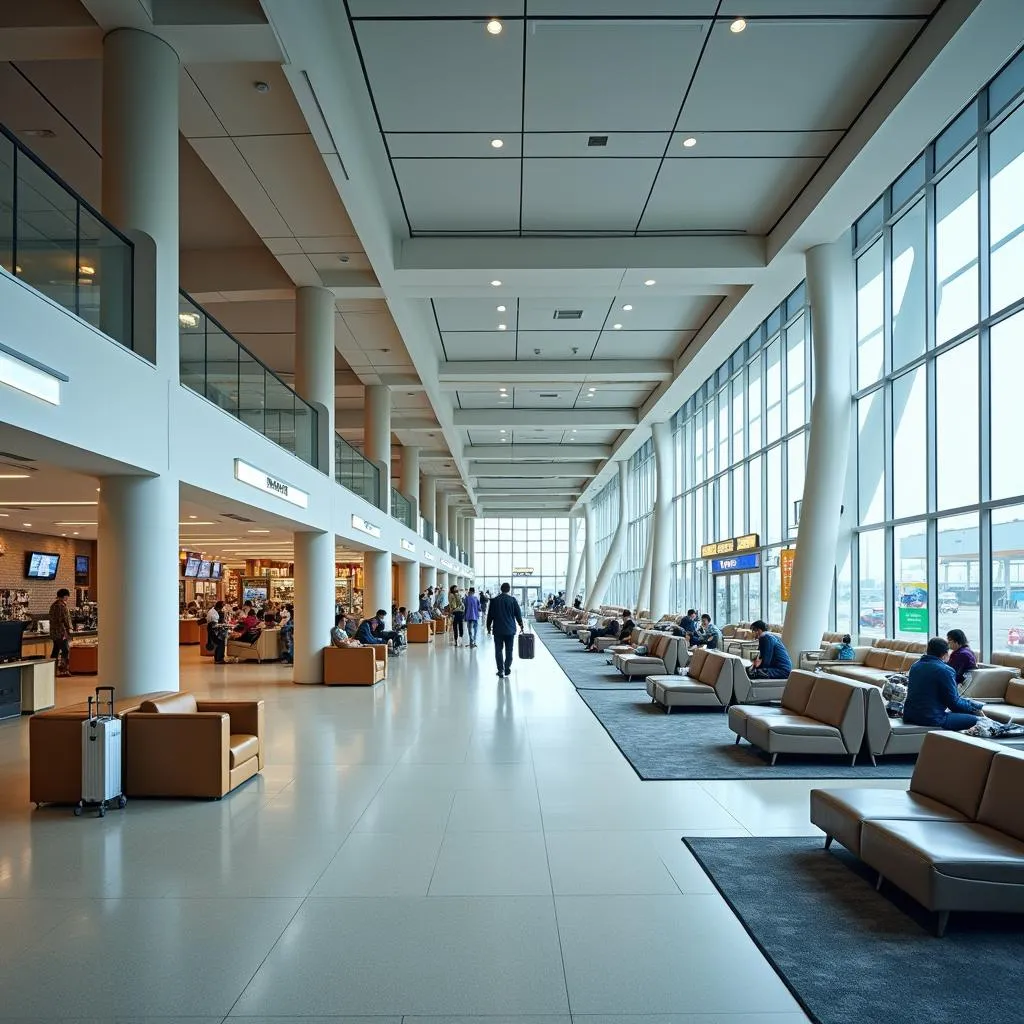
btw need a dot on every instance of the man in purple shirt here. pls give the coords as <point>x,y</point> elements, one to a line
<point>472,604</point>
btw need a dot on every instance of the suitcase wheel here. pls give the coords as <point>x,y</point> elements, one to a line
<point>78,810</point>
<point>103,810</point>
<point>122,801</point>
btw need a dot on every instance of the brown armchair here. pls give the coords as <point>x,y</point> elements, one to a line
<point>180,747</point>
<point>355,666</point>
<point>419,632</point>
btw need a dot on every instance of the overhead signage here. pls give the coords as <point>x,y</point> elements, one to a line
<point>263,481</point>
<point>786,559</point>
<point>748,542</point>
<point>408,545</point>
<point>29,377</point>
<point>522,571</point>
<point>737,563</point>
<point>360,524</point>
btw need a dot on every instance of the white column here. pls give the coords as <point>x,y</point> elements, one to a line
<point>589,556</point>
<point>428,509</point>
<point>611,562</point>
<point>660,554</point>
<point>409,585</point>
<point>579,580</point>
<point>831,290</point>
<point>472,546</point>
<point>441,519</point>
<point>314,366</point>
<point>574,558</point>
<point>376,582</point>
<point>453,526</point>
<point>140,179</point>
<point>377,438</point>
<point>409,481</point>
<point>643,596</point>
<point>138,583</point>
<point>314,603</point>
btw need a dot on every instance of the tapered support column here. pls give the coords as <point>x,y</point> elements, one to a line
<point>377,438</point>
<point>138,569</point>
<point>579,581</point>
<point>643,596</point>
<point>140,180</point>
<point>428,509</point>
<point>574,559</point>
<point>611,562</point>
<point>314,604</point>
<point>409,481</point>
<point>831,290</point>
<point>441,507</point>
<point>659,555</point>
<point>314,366</point>
<point>589,556</point>
<point>409,590</point>
<point>377,582</point>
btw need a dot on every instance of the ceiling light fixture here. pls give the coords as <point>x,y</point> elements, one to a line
<point>497,143</point>
<point>263,87</point>
<point>690,142</point>
<point>627,307</point>
<point>190,320</point>
<point>74,523</point>
<point>500,309</point>
<point>26,524</point>
<point>617,327</point>
<point>87,270</point>
<point>47,504</point>
<point>650,281</point>
<point>257,531</point>
<point>494,27</point>
<point>495,284</point>
<point>200,522</point>
<point>14,476</point>
<point>738,26</point>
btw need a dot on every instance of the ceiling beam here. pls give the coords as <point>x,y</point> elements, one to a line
<point>506,453</point>
<point>535,470</point>
<point>491,493</point>
<point>555,371</point>
<point>355,419</point>
<point>600,419</point>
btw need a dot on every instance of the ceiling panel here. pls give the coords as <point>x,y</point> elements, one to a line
<point>195,116</point>
<point>229,91</point>
<point>480,345</point>
<point>454,145</point>
<point>539,314</point>
<point>845,59</point>
<point>273,316</point>
<point>585,195</point>
<point>642,344</point>
<point>608,76</point>
<point>460,195</point>
<point>576,144</point>
<point>803,8</point>
<point>720,194</point>
<point>589,436</point>
<point>489,399</point>
<point>444,76</point>
<point>756,143</point>
<point>544,398</point>
<point>556,344</point>
<point>616,398</point>
<point>663,313</point>
<point>475,314</point>
<point>536,435</point>
<point>438,8</point>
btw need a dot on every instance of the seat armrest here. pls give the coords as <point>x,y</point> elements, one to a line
<point>247,716</point>
<point>177,755</point>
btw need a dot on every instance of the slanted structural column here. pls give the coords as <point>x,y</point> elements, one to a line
<point>589,555</point>
<point>659,555</point>
<point>574,559</point>
<point>831,291</point>
<point>138,516</point>
<point>611,562</point>
<point>410,487</point>
<point>377,448</point>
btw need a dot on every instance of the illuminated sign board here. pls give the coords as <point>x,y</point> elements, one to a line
<point>270,485</point>
<point>748,542</point>
<point>737,563</point>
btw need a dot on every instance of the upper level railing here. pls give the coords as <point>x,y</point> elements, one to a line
<point>217,366</point>
<point>428,530</point>
<point>352,469</point>
<point>401,508</point>
<point>55,241</point>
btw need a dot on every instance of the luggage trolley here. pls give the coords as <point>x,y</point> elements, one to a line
<point>101,754</point>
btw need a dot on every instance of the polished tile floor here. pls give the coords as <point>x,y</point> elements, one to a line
<point>442,847</point>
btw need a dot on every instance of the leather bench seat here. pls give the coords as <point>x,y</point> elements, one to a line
<point>708,681</point>
<point>241,747</point>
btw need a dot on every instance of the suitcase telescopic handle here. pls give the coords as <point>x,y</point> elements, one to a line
<point>108,699</point>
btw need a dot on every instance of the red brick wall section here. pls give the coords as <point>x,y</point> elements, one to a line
<point>42,592</point>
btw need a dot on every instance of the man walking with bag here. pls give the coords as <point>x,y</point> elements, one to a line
<point>503,614</point>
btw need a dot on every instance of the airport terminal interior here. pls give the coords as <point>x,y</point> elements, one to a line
<point>511,511</point>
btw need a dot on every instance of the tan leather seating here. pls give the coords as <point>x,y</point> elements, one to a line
<point>355,666</point>
<point>266,647</point>
<point>955,841</point>
<point>55,749</point>
<point>1012,707</point>
<point>419,633</point>
<point>177,746</point>
<point>661,658</point>
<point>709,681</point>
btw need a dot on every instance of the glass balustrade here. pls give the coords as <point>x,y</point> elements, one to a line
<point>401,508</point>
<point>428,530</point>
<point>352,469</point>
<point>222,370</point>
<point>53,240</point>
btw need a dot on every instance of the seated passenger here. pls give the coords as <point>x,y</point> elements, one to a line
<point>772,661</point>
<point>365,633</point>
<point>845,651</point>
<point>612,629</point>
<point>709,635</point>
<point>688,626</point>
<point>932,698</point>
<point>961,658</point>
<point>620,631</point>
<point>248,630</point>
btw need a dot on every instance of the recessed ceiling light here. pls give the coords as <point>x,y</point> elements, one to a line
<point>87,270</point>
<point>497,143</point>
<point>76,533</point>
<point>194,522</point>
<point>500,309</point>
<point>14,476</point>
<point>495,284</point>
<point>193,517</point>
<point>650,281</point>
<point>263,87</point>
<point>738,25</point>
<point>494,26</point>
<point>36,133</point>
<point>617,327</point>
<point>26,524</point>
<point>502,327</point>
<point>627,307</point>
<point>690,142</point>
<point>257,531</point>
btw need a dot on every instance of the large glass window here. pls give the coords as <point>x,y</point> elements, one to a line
<point>1007,458</point>
<point>909,449</point>
<point>871,589</point>
<point>956,414</point>
<point>956,249</point>
<point>1006,210</point>
<point>870,466</point>
<point>908,286</point>
<point>796,394</point>
<point>1007,587</point>
<point>958,589</point>
<point>870,315</point>
<point>773,382</point>
<point>774,493</point>
<point>910,569</point>
<point>506,544</point>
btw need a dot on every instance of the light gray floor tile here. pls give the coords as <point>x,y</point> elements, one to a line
<point>316,1020</point>
<point>428,956</point>
<point>407,812</point>
<point>500,1019</point>
<point>690,1018</point>
<point>608,943</point>
<point>381,864</point>
<point>499,811</point>
<point>491,864</point>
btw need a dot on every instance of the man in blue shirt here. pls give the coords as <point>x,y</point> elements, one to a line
<point>932,697</point>
<point>688,625</point>
<point>503,614</point>
<point>772,661</point>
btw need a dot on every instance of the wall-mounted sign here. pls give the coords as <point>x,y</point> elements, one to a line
<point>737,563</point>
<point>913,606</point>
<point>447,563</point>
<point>786,559</point>
<point>407,545</point>
<point>360,524</point>
<point>428,556</point>
<point>748,542</point>
<point>262,481</point>
<point>523,571</point>
<point>29,377</point>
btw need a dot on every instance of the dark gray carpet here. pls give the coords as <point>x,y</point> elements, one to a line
<point>585,671</point>
<point>848,953</point>
<point>697,744</point>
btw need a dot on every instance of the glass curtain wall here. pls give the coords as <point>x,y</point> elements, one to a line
<point>940,289</point>
<point>506,548</point>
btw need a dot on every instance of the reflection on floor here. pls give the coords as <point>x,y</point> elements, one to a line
<point>442,845</point>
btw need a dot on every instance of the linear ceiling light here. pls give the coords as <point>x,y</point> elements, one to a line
<point>495,284</point>
<point>47,504</point>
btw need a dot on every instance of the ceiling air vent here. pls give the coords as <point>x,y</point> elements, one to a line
<point>568,314</point>
<point>547,394</point>
<point>597,140</point>
<point>241,519</point>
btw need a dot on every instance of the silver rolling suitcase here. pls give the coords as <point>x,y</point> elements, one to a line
<point>101,753</point>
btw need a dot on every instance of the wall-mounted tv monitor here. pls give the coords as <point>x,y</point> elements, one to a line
<point>41,565</point>
<point>192,566</point>
<point>81,565</point>
<point>215,570</point>
<point>204,570</point>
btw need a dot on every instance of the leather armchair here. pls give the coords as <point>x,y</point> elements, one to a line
<point>355,666</point>
<point>267,647</point>
<point>709,681</point>
<point>176,746</point>
<point>419,633</point>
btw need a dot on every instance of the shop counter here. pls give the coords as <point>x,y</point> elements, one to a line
<point>189,631</point>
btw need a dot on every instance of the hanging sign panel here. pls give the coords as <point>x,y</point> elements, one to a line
<point>737,563</point>
<point>748,542</point>
<point>786,559</point>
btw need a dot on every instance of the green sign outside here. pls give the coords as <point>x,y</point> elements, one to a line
<point>913,620</point>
